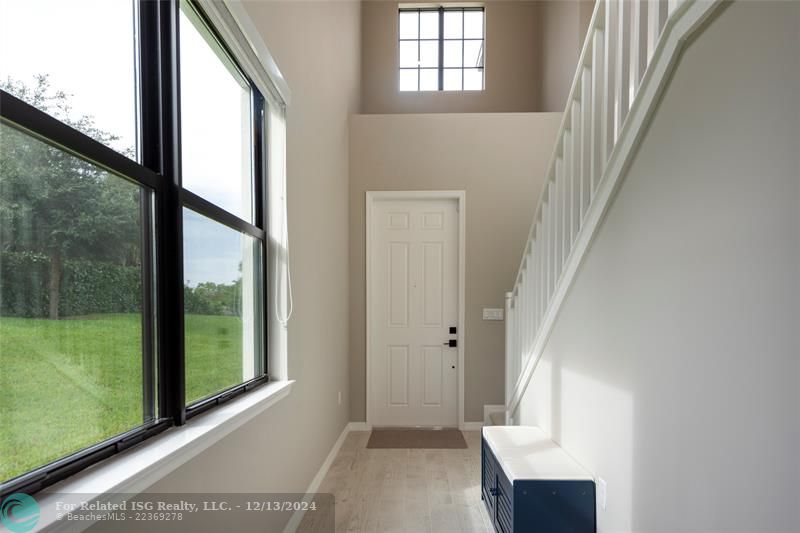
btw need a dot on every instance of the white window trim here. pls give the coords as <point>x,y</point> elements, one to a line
<point>239,32</point>
<point>133,471</point>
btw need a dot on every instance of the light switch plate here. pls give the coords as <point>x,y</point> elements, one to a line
<point>492,313</point>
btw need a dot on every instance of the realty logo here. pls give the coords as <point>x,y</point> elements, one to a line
<point>19,513</point>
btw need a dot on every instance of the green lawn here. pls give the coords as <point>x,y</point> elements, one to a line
<point>66,384</point>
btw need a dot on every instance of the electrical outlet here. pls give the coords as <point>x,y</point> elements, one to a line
<point>340,397</point>
<point>602,493</point>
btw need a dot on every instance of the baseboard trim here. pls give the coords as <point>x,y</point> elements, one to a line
<point>488,410</point>
<point>297,517</point>
<point>471,426</point>
<point>359,426</point>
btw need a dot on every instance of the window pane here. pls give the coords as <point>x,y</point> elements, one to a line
<point>452,79</point>
<point>473,79</point>
<point>222,303</point>
<point>408,80</point>
<point>71,289</point>
<point>452,24</point>
<point>215,121</point>
<point>473,24</point>
<point>409,25</point>
<point>452,53</point>
<point>429,25</point>
<point>429,54</point>
<point>409,54</point>
<point>429,79</point>
<point>473,53</point>
<point>58,49</point>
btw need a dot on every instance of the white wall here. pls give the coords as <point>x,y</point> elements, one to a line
<point>674,368</point>
<point>500,160</point>
<point>316,45</point>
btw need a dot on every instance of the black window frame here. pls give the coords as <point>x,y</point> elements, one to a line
<point>159,175</point>
<point>440,68</point>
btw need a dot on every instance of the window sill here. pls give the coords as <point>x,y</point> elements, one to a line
<point>136,469</point>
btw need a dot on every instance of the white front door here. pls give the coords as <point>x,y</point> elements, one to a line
<point>413,293</point>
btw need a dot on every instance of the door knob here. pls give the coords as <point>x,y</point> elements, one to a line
<point>452,343</point>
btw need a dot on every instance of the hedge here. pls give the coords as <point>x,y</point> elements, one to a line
<point>87,287</point>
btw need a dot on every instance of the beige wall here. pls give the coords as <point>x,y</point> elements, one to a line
<point>316,45</point>
<point>563,27</point>
<point>585,11</point>
<point>511,64</point>
<point>532,49</point>
<point>673,370</point>
<point>500,160</point>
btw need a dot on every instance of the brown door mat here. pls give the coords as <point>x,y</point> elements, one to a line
<point>417,438</point>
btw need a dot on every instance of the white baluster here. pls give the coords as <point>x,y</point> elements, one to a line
<point>563,210</point>
<point>552,234</point>
<point>609,60</point>
<point>528,310</point>
<point>622,65</point>
<point>532,290</point>
<point>510,339</point>
<point>523,318</point>
<point>638,45</point>
<point>558,223</point>
<point>542,276</point>
<point>598,111</point>
<point>517,351</point>
<point>519,329</point>
<point>564,192</point>
<point>551,239</point>
<point>575,178</point>
<point>587,138</point>
<point>530,296</point>
<point>510,378</point>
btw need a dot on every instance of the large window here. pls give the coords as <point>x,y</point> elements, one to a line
<point>216,120</point>
<point>73,279</point>
<point>441,49</point>
<point>222,303</point>
<point>222,249</point>
<point>132,229</point>
<point>77,62</point>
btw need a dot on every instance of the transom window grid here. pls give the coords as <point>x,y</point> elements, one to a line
<point>442,51</point>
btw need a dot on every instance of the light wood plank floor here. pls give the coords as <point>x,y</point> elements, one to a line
<point>405,490</point>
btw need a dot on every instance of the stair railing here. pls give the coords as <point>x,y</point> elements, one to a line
<point>630,49</point>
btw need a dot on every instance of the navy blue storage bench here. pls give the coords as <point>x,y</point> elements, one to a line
<point>529,484</point>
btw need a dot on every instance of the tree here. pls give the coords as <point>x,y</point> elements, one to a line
<point>209,298</point>
<point>55,203</point>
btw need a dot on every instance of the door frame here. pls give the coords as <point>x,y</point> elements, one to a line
<point>460,196</point>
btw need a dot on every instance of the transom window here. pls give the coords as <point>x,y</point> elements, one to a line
<point>441,49</point>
